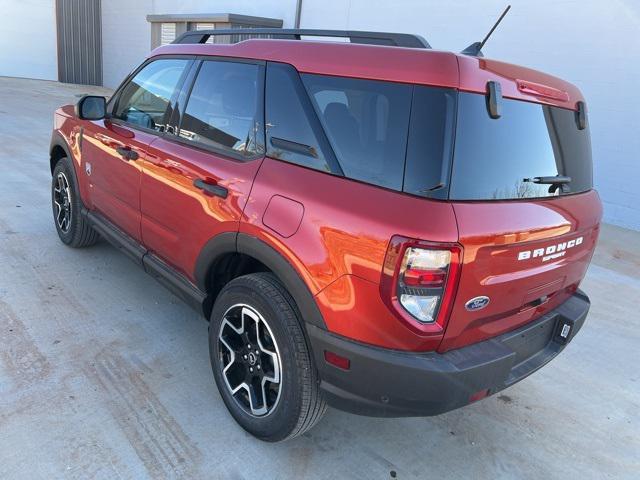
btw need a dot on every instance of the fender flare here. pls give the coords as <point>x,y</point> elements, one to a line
<point>249,245</point>
<point>287,274</point>
<point>215,248</point>
<point>58,140</point>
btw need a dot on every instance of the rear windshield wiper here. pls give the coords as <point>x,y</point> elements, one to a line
<point>559,181</point>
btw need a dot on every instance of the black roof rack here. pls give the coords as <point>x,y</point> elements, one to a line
<point>369,38</point>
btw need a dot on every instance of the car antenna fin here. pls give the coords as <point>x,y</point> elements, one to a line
<point>475,49</point>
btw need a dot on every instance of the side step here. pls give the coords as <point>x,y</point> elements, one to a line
<point>116,237</point>
<point>176,283</point>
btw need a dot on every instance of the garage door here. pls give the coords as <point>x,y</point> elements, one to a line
<point>79,41</point>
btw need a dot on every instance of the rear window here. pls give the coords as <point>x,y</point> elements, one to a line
<point>497,158</point>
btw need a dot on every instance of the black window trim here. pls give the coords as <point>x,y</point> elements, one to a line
<point>312,116</point>
<point>406,147</point>
<point>176,119</point>
<point>112,104</point>
<point>180,97</point>
<point>452,129</point>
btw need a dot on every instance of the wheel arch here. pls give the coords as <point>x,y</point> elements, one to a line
<point>234,254</point>
<point>58,149</point>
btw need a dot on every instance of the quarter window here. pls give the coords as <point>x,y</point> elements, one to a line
<point>223,111</point>
<point>145,99</point>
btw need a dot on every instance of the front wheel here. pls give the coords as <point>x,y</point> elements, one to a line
<point>73,229</point>
<point>260,359</point>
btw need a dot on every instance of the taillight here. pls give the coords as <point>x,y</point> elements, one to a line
<point>419,282</point>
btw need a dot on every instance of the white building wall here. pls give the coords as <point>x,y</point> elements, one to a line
<point>21,56</point>
<point>126,34</point>
<point>126,38</point>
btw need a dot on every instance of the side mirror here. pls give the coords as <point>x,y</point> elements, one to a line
<point>91,107</point>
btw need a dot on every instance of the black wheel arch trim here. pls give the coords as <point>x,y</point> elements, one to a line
<point>232,242</point>
<point>286,273</point>
<point>216,247</point>
<point>58,140</point>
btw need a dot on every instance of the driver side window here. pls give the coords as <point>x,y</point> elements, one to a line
<point>144,100</point>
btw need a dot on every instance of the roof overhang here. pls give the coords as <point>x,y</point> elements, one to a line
<point>234,18</point>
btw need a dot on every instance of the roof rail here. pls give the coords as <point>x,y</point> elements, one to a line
<point>370,38</point>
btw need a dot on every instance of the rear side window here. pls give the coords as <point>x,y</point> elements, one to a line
<point>223,110</point>
<point>144,100</point>
<point>367,124</point>
<point>293,131</point>
<point>497,158</point>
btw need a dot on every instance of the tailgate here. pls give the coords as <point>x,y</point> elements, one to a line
<point>527,257</point>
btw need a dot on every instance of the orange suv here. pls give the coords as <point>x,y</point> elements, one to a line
<point>373,225</point>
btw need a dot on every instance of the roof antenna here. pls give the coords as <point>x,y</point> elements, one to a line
<point>474,49</point>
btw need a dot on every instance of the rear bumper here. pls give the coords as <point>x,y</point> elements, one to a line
<point>389,383</point>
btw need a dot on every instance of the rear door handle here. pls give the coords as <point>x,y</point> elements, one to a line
<point>127,153</point>
<point>212,188</point>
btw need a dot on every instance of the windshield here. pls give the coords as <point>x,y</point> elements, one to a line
<point>500,158</point>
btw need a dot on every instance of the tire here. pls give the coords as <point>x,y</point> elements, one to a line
<point>260,306</point>
<point>75,231</point>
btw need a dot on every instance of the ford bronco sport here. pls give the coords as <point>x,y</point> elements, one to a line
<point>372,225</point>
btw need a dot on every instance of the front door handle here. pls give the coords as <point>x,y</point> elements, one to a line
<point>127,153</point>
<point>212,188</point>
<point>105,140</point>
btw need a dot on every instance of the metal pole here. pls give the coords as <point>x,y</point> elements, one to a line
<point>298,13</point>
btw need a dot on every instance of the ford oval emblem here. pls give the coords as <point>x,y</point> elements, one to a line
<point>477,303</point>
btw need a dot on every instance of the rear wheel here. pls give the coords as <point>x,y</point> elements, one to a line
<point>260,359</point>
<point>73,229</point>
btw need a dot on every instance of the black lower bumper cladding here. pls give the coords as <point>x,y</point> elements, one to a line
<point>382,382</point>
